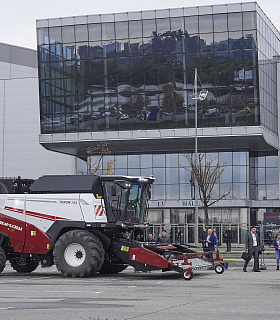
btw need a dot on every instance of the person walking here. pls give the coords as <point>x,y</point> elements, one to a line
<point>276,244</point>
<point>252,245</point>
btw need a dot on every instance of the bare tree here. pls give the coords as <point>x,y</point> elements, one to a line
<point>100,151</point>
<point>207,174</point>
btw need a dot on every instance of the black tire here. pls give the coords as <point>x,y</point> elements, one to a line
<point>2,260</point>
<point>187,276</point>
<point>219,268</point>
<point>78,253</point>
<point>4,188</point>
<point>112,268</point>
<point>24,267</point>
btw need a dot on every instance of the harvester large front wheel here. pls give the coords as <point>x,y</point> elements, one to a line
<point>78,253</point>
<point>2,259</point>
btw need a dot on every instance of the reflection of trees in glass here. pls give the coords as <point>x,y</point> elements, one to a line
<point>168,104</point>
<point>140,104</point>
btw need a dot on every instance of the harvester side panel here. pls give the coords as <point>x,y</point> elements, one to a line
<point>92,208</point>
<point>12,220</point>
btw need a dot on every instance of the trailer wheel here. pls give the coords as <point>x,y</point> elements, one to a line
<point>78,253</point>
<point>187,275</point>
<point>112,269</point>
<point>2,259</point>
<point>219,268</point>
<point>24,267</point>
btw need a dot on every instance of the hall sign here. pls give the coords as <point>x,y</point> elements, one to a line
<point>188,203</point>
<point>185,203</point>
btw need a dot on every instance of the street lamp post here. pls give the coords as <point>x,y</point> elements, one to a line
<point>201,96</point>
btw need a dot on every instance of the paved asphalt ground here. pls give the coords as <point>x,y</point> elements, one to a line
<point>44,294</point>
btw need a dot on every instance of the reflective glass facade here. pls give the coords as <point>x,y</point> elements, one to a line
<point>247,175</point>
<point>135,70</point>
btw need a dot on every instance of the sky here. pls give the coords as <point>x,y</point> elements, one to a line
<point>18,17</point>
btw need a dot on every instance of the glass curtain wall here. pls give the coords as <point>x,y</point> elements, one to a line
<point>136,70</point>
<point>247,176</point>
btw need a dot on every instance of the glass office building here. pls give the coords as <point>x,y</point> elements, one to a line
<point>128,79</point>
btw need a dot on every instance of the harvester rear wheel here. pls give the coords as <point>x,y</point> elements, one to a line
<point>24,267</point>
<point>2,259</point>
<point>78,253</point>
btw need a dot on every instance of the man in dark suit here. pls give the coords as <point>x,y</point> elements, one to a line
<point>203,238</point>
<point>211,240</point>
<point>252,245</point>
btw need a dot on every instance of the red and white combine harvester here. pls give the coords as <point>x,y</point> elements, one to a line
<point>87,224</point>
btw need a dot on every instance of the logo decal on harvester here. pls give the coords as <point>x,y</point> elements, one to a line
<point>9,225</point>
<point>98,210</point>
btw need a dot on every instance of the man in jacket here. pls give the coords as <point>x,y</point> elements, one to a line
<point>211,240</point>
<point>252,245</point>
<point>164,239</point>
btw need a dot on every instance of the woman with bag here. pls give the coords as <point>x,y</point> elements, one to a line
<point>276,244</point>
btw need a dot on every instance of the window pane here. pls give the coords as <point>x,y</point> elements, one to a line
<point>43,36</point>
<point>171,160</point>
<point>94,31</point>
<point>226,158</point>
<point>81,32</point>
<point>149,27</point>
<point>121,30</point>
<point>68,34</point>
<point>135,29</point>
<point>248,20</point>
<point>158,192</point>
<point>159,160</point>
<point>239,173</point>
<point>239,158</point>
<point>272,161</point>
<point>172,176</point>
<point>273,191</point>
<point>191,24</point>
<point>239,191</point>
<point>134,161</point>
<point>235,21</point>
<point>121,161</point>
<point>146,161</point>
<point>226,176</point>
<point>271,175</point>
<point>205,24</point>
<point>172,191</point>
<point>220,22</point>
<point>55,35</point>
<point>261,175</point>
<point>159,174</point>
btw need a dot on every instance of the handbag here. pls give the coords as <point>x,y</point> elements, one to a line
<point>245,256</point>
<point>261,249</point>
